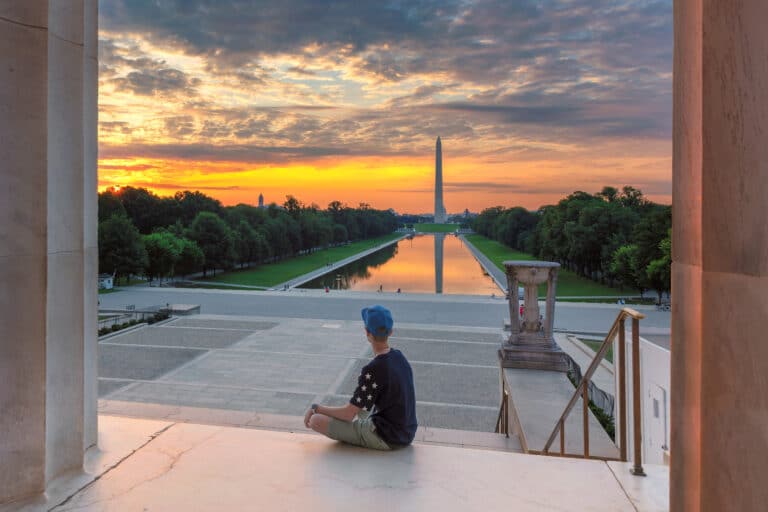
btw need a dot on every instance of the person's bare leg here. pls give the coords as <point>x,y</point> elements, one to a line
<point>319,423</point>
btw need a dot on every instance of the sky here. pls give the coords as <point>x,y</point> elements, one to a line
<point>343,100</point>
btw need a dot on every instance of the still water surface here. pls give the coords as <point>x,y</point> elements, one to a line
<point>438,263</point>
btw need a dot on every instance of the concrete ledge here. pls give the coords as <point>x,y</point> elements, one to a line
<point>202,467</point>
<point>287,423</point>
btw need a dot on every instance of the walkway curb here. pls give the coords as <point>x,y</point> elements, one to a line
<point>496,274</point>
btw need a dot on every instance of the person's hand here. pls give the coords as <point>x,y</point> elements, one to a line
<point>308,415</point>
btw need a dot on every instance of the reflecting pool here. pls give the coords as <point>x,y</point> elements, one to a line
<point>424,263</point>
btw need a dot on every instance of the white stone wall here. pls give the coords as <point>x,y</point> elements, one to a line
<point>655,384</point>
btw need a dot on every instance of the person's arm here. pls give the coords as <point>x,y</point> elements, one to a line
<point>343,413</point>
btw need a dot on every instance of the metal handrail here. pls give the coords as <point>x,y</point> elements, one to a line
<point>502,422</point>
<point>582,391</point>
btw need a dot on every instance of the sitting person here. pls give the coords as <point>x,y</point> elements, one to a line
<point>382,411</point>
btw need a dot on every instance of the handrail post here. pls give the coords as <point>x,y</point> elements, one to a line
<point>622,395</point>
<point>637,468</point>
<point>585,399</point>
<point>506,414</point>
<point>562,437</point>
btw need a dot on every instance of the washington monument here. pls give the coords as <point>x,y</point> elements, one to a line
<point>440,216</point>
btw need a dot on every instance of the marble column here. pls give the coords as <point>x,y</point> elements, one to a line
<point>23,245</point>
<point>719,402</point>
<point>90,219</point>
<point>64,331</point>
<point>43,298</point>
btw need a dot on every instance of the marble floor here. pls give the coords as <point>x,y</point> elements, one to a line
<point>164,466</point>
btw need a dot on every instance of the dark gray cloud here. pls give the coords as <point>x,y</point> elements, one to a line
<point>180,126</point>
<point>176,186</point>
<point>156,81</point>
<point>209,152</point>
<point>648,187</point>
<point>552,70</point>
<point>148,77</point>
<point>478,41</point>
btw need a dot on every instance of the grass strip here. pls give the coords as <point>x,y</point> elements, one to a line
<point>568,283</point>
<point>275,273</point>
<point>595,346</point>
<point>435,228</point>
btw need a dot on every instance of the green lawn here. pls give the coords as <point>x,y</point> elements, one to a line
<point>568,283</point>
<point>595,345</point>
<point>435,228</point>
<point>103,291</point>
<point>280,272</point>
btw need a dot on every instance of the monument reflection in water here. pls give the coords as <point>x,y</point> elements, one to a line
<point>438,263</point>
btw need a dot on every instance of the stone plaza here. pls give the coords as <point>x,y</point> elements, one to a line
<point>267,370</point>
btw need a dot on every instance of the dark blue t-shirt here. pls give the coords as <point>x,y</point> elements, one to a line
<point>386,386</point>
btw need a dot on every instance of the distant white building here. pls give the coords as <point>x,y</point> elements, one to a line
<point>106,281</point>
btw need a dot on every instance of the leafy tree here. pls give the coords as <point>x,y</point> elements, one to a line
<point>163,251</point>
<point>109,205</point>
<point>143,208</point>
<point>340,234</point>
<point>624,266</point>
<point>191,258</point>
<point>611,194</point>
<point>632,197</point>
<point>659,271</point>
<point>121,249</point>
<point>189,204</point>
<point>215,240</point>
<point>292,205</point>
<point>246,244</point>
<point>653,227</point>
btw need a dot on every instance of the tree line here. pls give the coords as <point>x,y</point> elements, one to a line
<point>617,237</point>
<point>143,233</point>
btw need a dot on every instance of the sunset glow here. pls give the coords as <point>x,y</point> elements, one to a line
<point>343,100</point>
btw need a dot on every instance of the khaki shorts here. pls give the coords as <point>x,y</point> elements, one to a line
<point>360,432</point>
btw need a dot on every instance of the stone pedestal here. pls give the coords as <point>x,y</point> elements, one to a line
<point>530,344</point>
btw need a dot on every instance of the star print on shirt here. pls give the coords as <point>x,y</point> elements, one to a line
<point>367,392</point>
